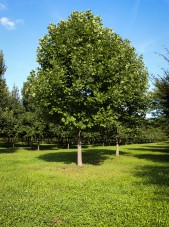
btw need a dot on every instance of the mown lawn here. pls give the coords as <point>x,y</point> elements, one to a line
<point>46,188</point>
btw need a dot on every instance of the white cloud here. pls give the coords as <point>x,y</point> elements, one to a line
<point>7,23</point>
<point>2,6</point>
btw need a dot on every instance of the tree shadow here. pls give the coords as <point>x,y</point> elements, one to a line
<point>66,157</point>
<point>89,156</point>
<point>153,153</point>
<point>154,157</point>
<point>8,150</point>
<point>151,149</point>
<point>156,175</point>
<point>98,156</point>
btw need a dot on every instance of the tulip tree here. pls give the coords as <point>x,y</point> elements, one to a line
<point>88,75</point>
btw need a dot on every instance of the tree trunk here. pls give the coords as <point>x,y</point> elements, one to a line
<point>79,150</point>
<point>117,146</point>
<point>28,141</point>
<point>38,143</point>
<point>68,145</point>
<point>13,142</point>
<point>31,142</point>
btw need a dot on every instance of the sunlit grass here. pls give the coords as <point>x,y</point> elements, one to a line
<point>47,188</point>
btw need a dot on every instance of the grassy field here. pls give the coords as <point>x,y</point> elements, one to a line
<point>46,188</point>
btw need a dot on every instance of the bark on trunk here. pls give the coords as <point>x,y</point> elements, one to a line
<point>79,150</point>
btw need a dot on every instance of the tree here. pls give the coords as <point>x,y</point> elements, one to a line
<point>4,98</point>
<point>10,115</point>
<point>160,96</point>
<point>88,76</point>
<point>32,123</point>
<point>16,110</point>
<point>4,93</point>
<point>2,64</point>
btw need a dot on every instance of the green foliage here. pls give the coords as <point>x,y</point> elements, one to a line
<point>46,188</point>
<point>27,99</point>
<point>31,125</point>
<point>161,96</point>
<point>149,135</point>
<point>10,116</point>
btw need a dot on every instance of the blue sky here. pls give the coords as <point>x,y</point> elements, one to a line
<point>23,22</point>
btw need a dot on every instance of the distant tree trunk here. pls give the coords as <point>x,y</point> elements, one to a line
<point>31,142</point>
<point>79,149</point>
<point>13,142</point>
<point>38,143</point>
<point>68,144</point>
<point>117,146</point>
<point>28,141</point>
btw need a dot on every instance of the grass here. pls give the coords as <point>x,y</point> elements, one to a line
<point>46,188</point>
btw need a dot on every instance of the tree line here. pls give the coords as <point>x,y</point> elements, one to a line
<point>90,86</point>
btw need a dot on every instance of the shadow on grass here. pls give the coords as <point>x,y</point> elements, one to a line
<point>151,149</point>
<point>164,158</point>
<point>158,175</point>
<point>90,156</point>
<point>7,150</point>
<point>154,153</point>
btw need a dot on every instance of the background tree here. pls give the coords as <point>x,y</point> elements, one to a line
<point>10,115</point>
<point>32,125</point>
<point>88,76</point>
<point>16,110</point>
<point>4,93</point>
<point>2,64</point>
<point>4,98</point>
<point>160,97</point>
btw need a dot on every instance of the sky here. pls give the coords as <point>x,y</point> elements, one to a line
<point>23,22</point>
